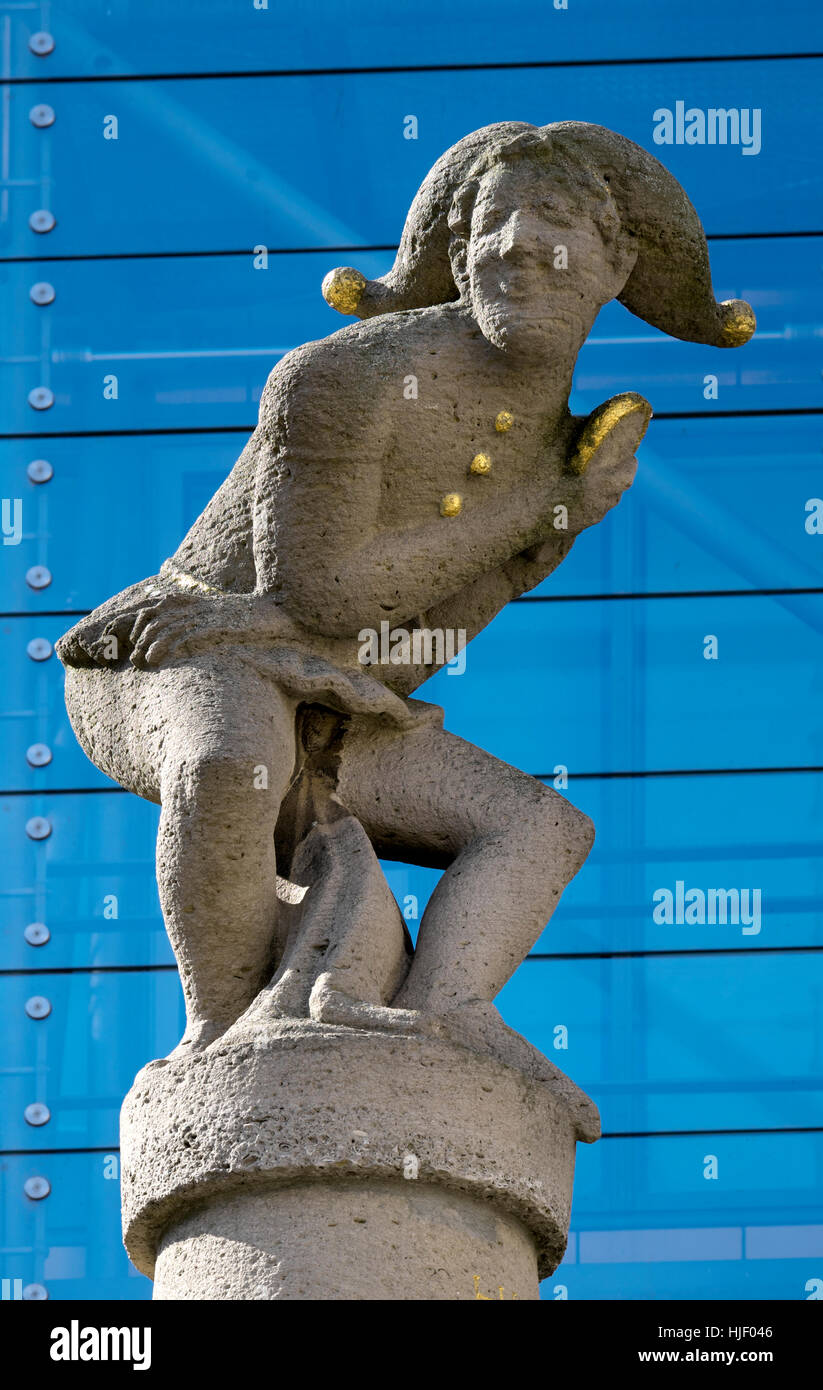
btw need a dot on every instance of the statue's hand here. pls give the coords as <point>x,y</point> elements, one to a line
<point>602,465</point>
<point>100,639</point>
<point>150,624</point>
<point>181,624</point>
<point>158,630</point>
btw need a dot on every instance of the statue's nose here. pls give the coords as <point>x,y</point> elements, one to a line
<point>511,236</point>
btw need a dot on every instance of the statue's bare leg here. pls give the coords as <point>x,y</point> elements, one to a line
<point>227,764</point>
<point>214,743</point>
<point>509,845</point>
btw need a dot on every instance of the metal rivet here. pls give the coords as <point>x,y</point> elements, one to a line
<point>41,43</point>
<point>42,220</point>
<point>39,649</point>
<point>37,1188</point>
<point>38,755</point>
<point>42,293</point>
<point>40,471</point>
<point>38,1006</point>
<point>35,1293</point>
<point>41,398</point>
<point>38,828</point>
<point>37,934</point>
<point>38,577</point>
<point>37,1114</point>
<point>42,115</point>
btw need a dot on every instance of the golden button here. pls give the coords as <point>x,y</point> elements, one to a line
<point>480,464</point>
<point>451,504</point>
<point>503,421</point>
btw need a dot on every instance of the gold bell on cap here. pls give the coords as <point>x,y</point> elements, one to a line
<point>342,289</point>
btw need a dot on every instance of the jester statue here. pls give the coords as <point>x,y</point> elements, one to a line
<point>230,687</point>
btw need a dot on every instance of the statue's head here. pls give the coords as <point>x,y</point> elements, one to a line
<point>486,222</point>
<point>537,247</point>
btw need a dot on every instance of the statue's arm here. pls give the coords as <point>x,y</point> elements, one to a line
<point>473,608</point>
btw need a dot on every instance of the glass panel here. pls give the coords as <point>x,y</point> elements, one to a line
<point>715,505</point>
<point>660,1043</point>
<point>680,1042</point>
<point>90,882</point>
<point>756,833</point>
<point>95,37</point>
<point>191,341</point>
<point>649,1221</point>
<point>625,686</point>
<point>32,711</point>
<point>196,165</point>
<point>640,1207</point>
<point>81,1059</point>
<point>69,1241</point>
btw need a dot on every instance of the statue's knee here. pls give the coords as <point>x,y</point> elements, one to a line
<point>557,828</point>
<point>217,777</point>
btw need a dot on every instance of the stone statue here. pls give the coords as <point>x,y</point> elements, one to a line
<point>419,468</point>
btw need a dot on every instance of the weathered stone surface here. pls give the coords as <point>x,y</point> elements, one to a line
<point>416,470</point>
<point>368,1241</point>
<point>275,1111</point>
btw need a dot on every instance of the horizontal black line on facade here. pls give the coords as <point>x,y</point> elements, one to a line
<point>524,598</point>
<point>677,772</point>
<point>388,69</point>
<point>243,251</point>
<point>45,1153</point>
<point>248,428</point>
<point>685,1133</point>
<point>314,250</point>
<point>539,776</point>
<point>639,955</point>
<point>48,613</point>
<point>169,967</point>
<point>664,593</point>
<point>616,1134</point>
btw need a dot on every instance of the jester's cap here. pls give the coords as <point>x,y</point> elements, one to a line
<point>670,286</point>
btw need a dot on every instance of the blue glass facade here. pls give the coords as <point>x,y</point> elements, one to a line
<point>242,129</point>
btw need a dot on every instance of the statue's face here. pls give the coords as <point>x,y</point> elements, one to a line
<point>539,270</point>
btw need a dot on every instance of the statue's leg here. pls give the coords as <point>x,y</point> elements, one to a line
<point>228,758</point>
<point>509,845</point>
<point>214,743</point>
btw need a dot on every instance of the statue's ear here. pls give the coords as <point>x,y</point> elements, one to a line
<point>460,213</point>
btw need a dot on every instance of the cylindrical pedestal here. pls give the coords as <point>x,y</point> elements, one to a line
<point>326,1163</point>
<point>349,1239</point>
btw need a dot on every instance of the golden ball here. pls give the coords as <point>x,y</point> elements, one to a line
<point>739,323</point>
<point>503,421</point>
<point>343,289</point>
<point>480,464</point>
<point>451,505</point>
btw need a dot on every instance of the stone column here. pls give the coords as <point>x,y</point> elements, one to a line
<point>313,1162</point>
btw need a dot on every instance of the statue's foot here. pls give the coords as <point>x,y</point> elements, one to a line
<point>330,1005</point>
<point>474,1023</point>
